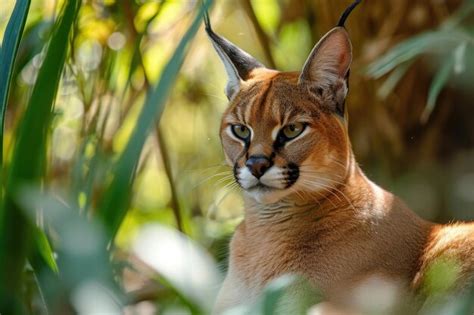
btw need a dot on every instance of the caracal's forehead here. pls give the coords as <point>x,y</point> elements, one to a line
<point>271,98</point>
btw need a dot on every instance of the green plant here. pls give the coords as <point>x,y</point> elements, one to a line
<point>450,44</point>
<point>68,266</point>
<point>8,52</point>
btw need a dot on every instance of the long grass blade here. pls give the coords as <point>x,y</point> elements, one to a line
<point>429,42</point>
<point>439,81</point>
<point>114,204</point>
<point>392,80</point>
<point>28,162</point>
<point>82,258</point>
<point>8,51</point>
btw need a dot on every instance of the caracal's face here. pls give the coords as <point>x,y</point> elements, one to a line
<point>285,134</point>
<point>283,139</point>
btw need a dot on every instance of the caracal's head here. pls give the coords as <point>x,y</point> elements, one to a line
<point>285,133</point>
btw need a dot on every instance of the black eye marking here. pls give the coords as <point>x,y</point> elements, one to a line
<point>292,172</point>
<point>288,133</point>
<point>236,167</point>
<point>236,177</point>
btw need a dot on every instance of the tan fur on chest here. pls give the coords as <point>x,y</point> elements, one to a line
<point>337,250</point>
<point>331,247</point>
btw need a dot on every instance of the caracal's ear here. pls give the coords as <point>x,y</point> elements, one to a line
<point>326,70</point>
<point>330,58</point>
<point>238,64</point>
<point>327,66</point>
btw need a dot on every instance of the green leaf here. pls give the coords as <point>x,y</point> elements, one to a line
<point>459,16</point>
<point>81,250</point>
<point>274,292</point>
<point>8,51</point>
<point>391,82</point>
<point>438,41</point>
<point>114,204</point>
<point>28,162</point>
<point>439,81</point>
<point>45,250</point>
<point>401,53</point>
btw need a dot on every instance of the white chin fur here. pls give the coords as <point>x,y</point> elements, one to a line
<point>267,197</point>
<point>273,178</point>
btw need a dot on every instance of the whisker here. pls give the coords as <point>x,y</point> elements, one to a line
<point>293,189</point>
<point>318,178</point>
<point>339,191</point>
<point>318,193</point>
<point>217,96</point>
<point>312,198</point>
<point>213,210</point>
<point>311,170</point>
<point>341,163</point>
<point>224,180</point>
<point>224,173</point>
<point>232,185</point>
<point>202,170</point>
<point>325,187</point>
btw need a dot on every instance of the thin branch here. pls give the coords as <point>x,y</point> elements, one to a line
<point>262,36</point>
<point>149,292</point>
<point>166,163</point>
<point>174,204</point>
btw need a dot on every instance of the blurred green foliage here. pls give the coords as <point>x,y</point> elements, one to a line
<point>108,208</point>
<point>449,44</point>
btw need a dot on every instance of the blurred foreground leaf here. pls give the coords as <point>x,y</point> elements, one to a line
<point>44,250</point>
<point>439,81</point>
<point>287,294</point>
<point>86,279</point>
<point>187,268</point>
<point>8,51</point>
<point>28,162</point>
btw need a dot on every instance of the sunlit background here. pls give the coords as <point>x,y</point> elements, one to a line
<point>410,110</point>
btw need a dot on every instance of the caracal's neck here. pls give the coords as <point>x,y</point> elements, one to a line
<point>355,198</point>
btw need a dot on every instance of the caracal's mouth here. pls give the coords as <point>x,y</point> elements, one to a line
<point>260,186</point>
<point>267,188</point>
<point>266,194</point>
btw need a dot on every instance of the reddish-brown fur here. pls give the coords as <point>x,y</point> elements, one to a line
<point>338,233</point>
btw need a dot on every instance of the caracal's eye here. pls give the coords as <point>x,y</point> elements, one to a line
<point>241,132</point>
<point>293,130</point>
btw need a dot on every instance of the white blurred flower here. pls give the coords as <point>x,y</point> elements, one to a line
<point>89,55</point>
<point>64,143</point>
<point>181,261</point>
<point>116,41</point>
<point>91,298</point>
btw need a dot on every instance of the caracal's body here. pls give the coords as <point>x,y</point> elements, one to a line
<point>309,209</point>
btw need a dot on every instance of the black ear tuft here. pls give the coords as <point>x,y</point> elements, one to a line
<point>347,11</point>
<point>238,64</point>
<point>241,60</point>
<point>207,21</point>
